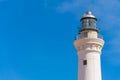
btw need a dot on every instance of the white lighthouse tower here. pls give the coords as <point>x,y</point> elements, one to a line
<point>89,45</point>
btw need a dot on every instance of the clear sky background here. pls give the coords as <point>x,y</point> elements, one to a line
<point>36,38</point>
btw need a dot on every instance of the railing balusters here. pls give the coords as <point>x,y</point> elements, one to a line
<point>78,36</point>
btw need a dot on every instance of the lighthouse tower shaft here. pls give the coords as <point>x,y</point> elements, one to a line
<point>88,45</point>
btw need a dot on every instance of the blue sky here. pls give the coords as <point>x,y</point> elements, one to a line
<point>36,38</point>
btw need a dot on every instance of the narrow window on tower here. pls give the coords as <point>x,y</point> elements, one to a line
<point>84,62</point>
<point>85,34</point>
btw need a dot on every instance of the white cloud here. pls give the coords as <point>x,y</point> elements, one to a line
<point>69,6</point>
<point>106,10</point>
<point>76,5</point>
<point>100,7</point>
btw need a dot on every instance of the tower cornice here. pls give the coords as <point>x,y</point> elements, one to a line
<point>89,45</point>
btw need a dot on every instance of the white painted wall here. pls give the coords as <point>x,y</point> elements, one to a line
<point>91,71</point>
<point>89,49</point>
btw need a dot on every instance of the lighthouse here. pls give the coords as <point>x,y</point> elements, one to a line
<point>89,44</point>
